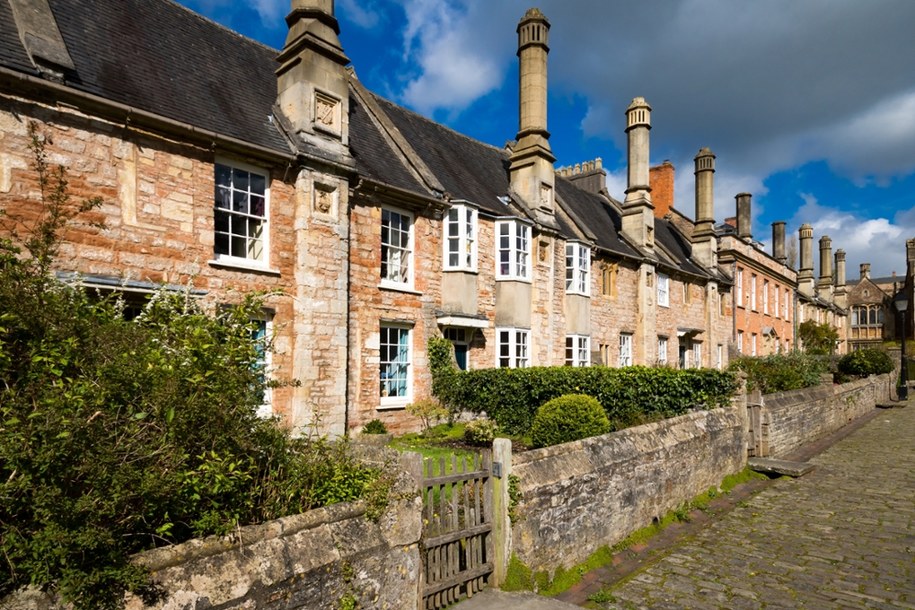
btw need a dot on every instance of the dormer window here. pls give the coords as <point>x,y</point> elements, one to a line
<point>578,269</point>
<point>460,243</point>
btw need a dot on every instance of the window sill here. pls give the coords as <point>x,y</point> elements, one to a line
<point>578,294</point>
<point>391,404</point>
<point>399,288</point>
<point>524,280</point>
<point>241,265</point>
<point>459,270</point>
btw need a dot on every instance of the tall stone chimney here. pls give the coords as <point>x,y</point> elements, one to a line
<point>312,89</point>
<point>805,283</point>
<point>705,192</point>
<point>778,242</point>
<point>824,283</point>
<point>705,244</point>
<point>744,219</point>
<point>531,169</point>
<point>661,181</point>
<point>638,217</point>
<point>865,271</point>
<point>841,293</point>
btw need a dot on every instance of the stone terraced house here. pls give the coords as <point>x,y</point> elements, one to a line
<point>227,166</point>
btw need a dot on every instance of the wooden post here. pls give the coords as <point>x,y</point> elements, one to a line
<point>501,526</point>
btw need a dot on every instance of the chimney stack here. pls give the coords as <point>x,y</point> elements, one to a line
<point>824,284</point>
<point>531,170</point>
<point>661,181</point>
<point>841,294</point>
<point>865,271</point>
<point>805,271</point>
<point>705,192</point>
<point>778,242</point>
<point>313,56</point>
<point>743,217</point>
<point>638,211</point>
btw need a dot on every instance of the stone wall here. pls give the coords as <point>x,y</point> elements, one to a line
<point>791,419</point>
<point>310,561</point>
<point>580,496</point>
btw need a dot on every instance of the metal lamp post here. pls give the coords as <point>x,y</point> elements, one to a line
<point>902,304</point>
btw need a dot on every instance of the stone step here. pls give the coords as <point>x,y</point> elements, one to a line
<point>779,467</point>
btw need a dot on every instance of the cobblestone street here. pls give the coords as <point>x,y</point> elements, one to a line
<point>842,536</point>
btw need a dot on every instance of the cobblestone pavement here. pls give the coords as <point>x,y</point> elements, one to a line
<point>842,536</point>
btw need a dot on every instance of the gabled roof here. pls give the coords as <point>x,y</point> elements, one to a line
<point>600,217</point>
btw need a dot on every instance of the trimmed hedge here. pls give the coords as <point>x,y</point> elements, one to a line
<point>568,418</point>
<point>866,362</point>
<point>781,372</point>
<point>630,396</point>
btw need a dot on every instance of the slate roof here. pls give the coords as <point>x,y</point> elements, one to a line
<point>11,52</point>
<point>467,168</point>
<point>597,214</point>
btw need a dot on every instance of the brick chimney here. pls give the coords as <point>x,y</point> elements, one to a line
<point>312,89</point>
<point>531,169</point>
<point>661,181</point>
<point>778,242</point>
<point>638,211</point>
<point>744,218</point>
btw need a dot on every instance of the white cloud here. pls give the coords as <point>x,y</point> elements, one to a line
<point>878,241</point>
<point>271,11</point>
<point>363,14</point>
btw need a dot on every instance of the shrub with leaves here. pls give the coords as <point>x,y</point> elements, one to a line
<point>376,426</point>
<point>864,362</point>
<point>429,411</point>
<point>781,372</point>
<point>568,418</point>
<point>119,436</point>
<point>480,432</point>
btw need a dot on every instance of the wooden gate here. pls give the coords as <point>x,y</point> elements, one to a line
<point>457,528</point>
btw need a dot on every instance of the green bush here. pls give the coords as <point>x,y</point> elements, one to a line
<point>119,436</point>
<point>629,396</point>
<point>568,418</point>
<point>376,426</point>
<point>866,362</point>
<point>480,432</point>
<point>781,372</point>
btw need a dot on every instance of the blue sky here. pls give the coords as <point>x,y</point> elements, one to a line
<point>808,104</point>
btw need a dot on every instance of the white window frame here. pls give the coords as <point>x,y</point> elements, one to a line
<point>663,290</point>
<point>625,353</point>
<point>516,345</point>
<point>578,350</point>
<point>459,241</point>
<point>578,268</point>
<point>753,280</point>
<point>517,251</point>
<point>394,254</point>
<point>753,343</point>
<point>740,302</point>
<point>719,356</point>
<point>739,341</point>
<point>697,354</point>
<point>260,239</point>
<point>787,305</point>
<point>765,296</point>
<point>402,359</point>
<point>778,301</point>
<point>265,362</point>
<point>662,350</point>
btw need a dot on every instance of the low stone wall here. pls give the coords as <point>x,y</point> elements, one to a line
<point>792,419</point>
<point>580,496</point>
<point>308,561</point>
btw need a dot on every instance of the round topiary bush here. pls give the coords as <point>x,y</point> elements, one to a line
<point>866,362</point>
<point>568,418</point>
